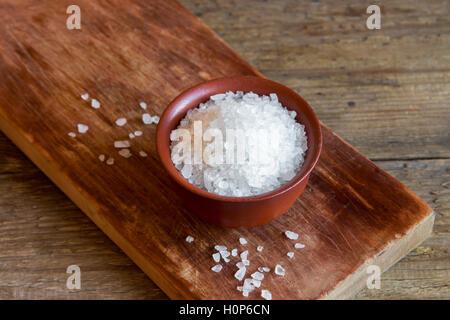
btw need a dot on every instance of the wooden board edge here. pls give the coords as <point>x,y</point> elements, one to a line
<point>385,259</point>
<point>84,202</point>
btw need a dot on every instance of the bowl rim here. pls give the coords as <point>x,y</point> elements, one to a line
<point>176,175</point>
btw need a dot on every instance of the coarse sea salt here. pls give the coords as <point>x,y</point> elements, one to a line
<point>189,239</point>
<point>279,270</point>
<point>101,157</point>
<point>85,96</point>
<point>220,248</point>
<point>216,257</point>
<point>138,133</point>
<point>244,255</point>
<point>260,248</point>
<point>217,268</point>
<point>95,104</point>
<point>72,134</point>
<point>121,122</point>
<point>291,235</point>
<point>143,154</point>
<point>234,252</point>
<point>125,153</point>
<point>110,161</point>
<point>299,246</point>
<point>131,135</point>
<point>257,276</point>
<point>121,144</point>
<point>274,145</point>
<point>240,273</point>
<point>143,105</point>
<point>82,128</point>
<point>242,241</point>
<point>290,254</point>
<point>266,294</point>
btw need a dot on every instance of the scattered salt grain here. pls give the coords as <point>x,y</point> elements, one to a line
<point>125,153</point>
<point>274,149</point>
<point>143,105</point>
<point>131,135</point>
<point>155,119</point>
<point>72,134</point>
<point>266,294</point>
<point>299,246</point>
<point>95,104</point>
<point>82,128</point>
<point>291,235</point>
<point>260,269</point>
<point>101,157</point>
<point>245,292</point>
<point>240,273</point>
<point>143,154</point>
<point>121,144</point>
<point>147,119</point>
<point>121,122</point>
<point>234,252</point>
<point>239,288</point>
<point>110,161</point>
<point>85,96</point>
<point>138,133</point>
<point>220,248</point>
<point>290,254</point>
<point>256,283</point>
<point>240,265</point>
<point>279,270</point>
<point>189,239</point>
<point>216,257</point>
<point>244,255</point>
<point>217,268</point>
<point>266,269</point>
<point>225,254</point>
<point>257,276</point>
<point>242,241</point>
<point>260,248</point>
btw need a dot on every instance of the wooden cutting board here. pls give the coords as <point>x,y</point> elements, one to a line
<point>351,215</point>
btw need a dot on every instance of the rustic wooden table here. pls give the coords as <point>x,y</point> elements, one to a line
<point>385,91</point>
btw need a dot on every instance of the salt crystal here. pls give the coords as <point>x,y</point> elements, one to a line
<point>240,265</point>
<point>155,119</point>
<point>138,133</point>
<point>260,248</point>
<point>125,153</point>
<point>244,255</point>
<point>240,273</point>
<point>82,128</point>
<point>95,104</point>
<point>225,255</point>
<point>216,257</point>
<point>234,252</point>
<point>246,262</point>
<point>266,295</point>
<point>85,96</point>
<point>143,154</point>
<point>290,254</point>
<point>260,269</point>
<point>189,239</point>
<point>110,161</point>
<point>279,270</point>
<point>242,241</point>
<point>266,269</point>
<point>121,122</point>
<point>101,157</point>
<point>291,235</point>
<point>121,144</point>
<point>274,154</point>
<point>216,268</point>
<point>245,292</point>
<point>248,284</point>
<point>147,119</point>
<point>257,276</point>
<point>299,246</point>
<point>131,135</point>
<point>220,248</point>
<point>72,134</point>
<point>239,288</point>
<point>256,283</point>
<point>143,105</point>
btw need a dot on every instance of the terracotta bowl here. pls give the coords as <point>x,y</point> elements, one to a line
<point>239,211</point>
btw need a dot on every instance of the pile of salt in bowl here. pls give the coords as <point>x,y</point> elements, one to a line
<point>268,149</point>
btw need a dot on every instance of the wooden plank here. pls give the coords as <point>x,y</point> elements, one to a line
<point>397,79</point>
<point>140,221</point>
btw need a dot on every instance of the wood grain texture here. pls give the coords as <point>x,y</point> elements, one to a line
<point>127,89</point>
